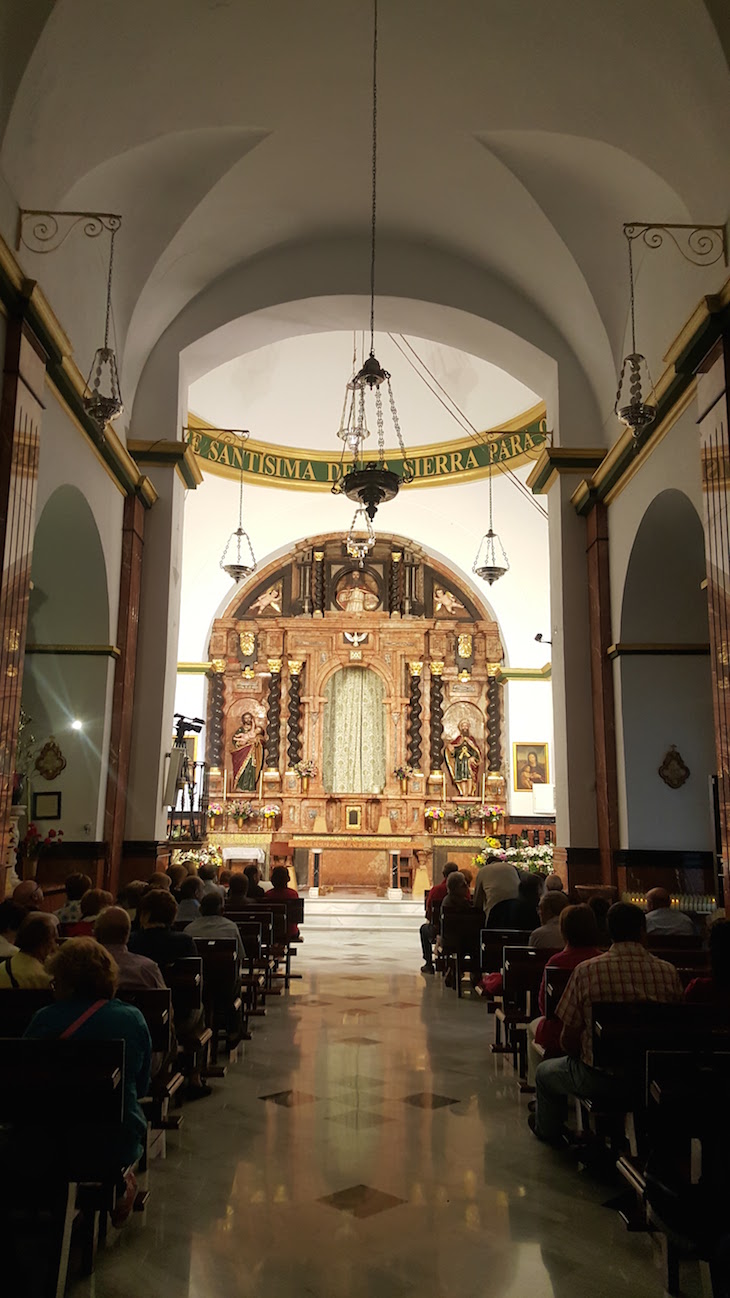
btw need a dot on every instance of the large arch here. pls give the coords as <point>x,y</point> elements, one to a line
<point>666,696</point>
<point>69,609</point>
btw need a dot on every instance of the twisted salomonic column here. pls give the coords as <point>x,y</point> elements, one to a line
<point>214,728</point>
<point>394,582</point>
<point>494,726</point>
<point>273,720</point>
<point>294,746</point>
<point>318,584</point>
<point>414,716</point>
<point>437,718</point>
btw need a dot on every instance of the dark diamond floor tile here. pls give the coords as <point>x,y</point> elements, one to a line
<point>289,1099</point>
<point>361,1201</point>
<point>426,1100</point>
<point>359,1041</point>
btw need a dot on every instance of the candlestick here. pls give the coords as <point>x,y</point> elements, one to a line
<point>225,782</point>
<point>484,778</point>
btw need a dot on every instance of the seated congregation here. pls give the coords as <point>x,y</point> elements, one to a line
<point>617,1021</point>
<point>132,1008</point>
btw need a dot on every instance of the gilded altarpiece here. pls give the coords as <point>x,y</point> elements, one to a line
<point>406,652</point>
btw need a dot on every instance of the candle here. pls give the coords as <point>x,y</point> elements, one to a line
<point>225,782</point>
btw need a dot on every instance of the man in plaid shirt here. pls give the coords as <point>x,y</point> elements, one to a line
<point>628,972</point>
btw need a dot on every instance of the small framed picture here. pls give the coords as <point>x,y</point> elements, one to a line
<point>46,806</point>
<point>353,817</point>
<point>530,766</point>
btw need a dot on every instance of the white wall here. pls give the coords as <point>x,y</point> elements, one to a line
<point>529,719</point>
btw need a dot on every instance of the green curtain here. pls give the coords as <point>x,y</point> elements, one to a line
<point>354,732</point>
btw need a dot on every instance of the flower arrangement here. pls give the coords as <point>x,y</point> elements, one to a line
<point>209,855</point>
<point>271,810</point>
<point>490,813</point>
<point>32,841</point>
<point>402,772</point>
<point>463,816</point>
<point>305,770</point>
<point>216,809</point>
<point>434,813</point>
<point>523,857</point>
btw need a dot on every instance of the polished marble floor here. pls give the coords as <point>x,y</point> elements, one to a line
<point>367,1145</point>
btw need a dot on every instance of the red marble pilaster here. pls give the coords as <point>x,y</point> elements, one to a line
<point>21,411</point>
<point>714,414</point>
<point>602,690</point>
<point>122,705</point>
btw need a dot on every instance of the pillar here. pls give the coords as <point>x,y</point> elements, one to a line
<point>294,735</point>
<point>273,720</point>
<point>414,716</point>
<point>172,469</point>
<point>120,739</point>
<point>436,733</point>
<point>714,411</point>
<point>21,409</point>
<point>602,688</point>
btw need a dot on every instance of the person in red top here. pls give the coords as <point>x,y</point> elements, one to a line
<point>429,930</point>
<point>714,990</point>
<point>579,930</point>
<point>280,891</point>
<point>92,904</point>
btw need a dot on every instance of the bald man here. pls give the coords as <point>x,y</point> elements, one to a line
<point>29,895</point>
<point>662,920</point>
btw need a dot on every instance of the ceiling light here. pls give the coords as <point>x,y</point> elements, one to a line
<point>361,537</point>
<point>370,483</point>
<point>238,559</point>
<point>491,562</point>
<point>103,398</point>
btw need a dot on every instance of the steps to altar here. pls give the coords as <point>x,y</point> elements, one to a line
<point>362,914</point>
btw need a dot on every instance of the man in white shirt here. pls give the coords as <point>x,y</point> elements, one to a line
<point>11,918</point>
<point>212,923</point>
<point>497,881</point>
<point>662,920</point>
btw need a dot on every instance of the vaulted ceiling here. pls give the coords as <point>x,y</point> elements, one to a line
<point>233,137</point>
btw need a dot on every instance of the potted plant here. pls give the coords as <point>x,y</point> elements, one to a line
<point>434,818</point>
<point>29,849</point>
<point>270,812</point>
<point>462,818</point>
<point>215,809</point>
<point>491,812</point>
<point>402,773</point>
<point>304,771</point>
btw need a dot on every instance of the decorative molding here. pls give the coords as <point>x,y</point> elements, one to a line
<point>169,454</point>
<point>627,650</point>
<point>555,461</point>
<point>75,650</point>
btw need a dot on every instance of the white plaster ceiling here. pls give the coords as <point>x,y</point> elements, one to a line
<point>291,392</point>
<point>515,138</point>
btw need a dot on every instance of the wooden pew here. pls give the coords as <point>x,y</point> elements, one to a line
<point>221,992</point>
<point>18,1007</point>
<point>85,1079</point>
<point>522,970</point>
<point>155,1005</point>
<point>184,977</point>
<point>494,940</point>
<point>460,934</point>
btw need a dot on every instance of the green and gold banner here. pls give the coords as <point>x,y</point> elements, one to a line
<point>448,462</point>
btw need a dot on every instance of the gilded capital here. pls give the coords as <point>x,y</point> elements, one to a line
<point>437,668</point>
<point>415,668</point>
<point>218,665</point>
<point>295,666</point>
<point>396,556</point>
<point>274,665</point>
<point>319,556</point>
<point>493,669</point>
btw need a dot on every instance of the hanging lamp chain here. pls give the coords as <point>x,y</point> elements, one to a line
<point>632,296</point>
<point>109,291</point>
<point>374,210</point>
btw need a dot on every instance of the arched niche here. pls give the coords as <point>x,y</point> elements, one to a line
<point>69,612</point>
<point>666,696</point>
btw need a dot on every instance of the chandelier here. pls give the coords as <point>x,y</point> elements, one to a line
<point>361,537</point>
<point>491,562</point>
<point>634,406</point>
<point>370,483</point>
<point>238,559</point>
<point>103,399</point>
